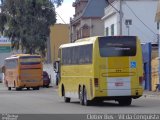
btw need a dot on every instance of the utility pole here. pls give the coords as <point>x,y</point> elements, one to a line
<point>158,37</point>
<point>120,14</point>
<point>120,17</point>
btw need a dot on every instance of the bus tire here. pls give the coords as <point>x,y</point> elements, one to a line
<point>9,88</point>
<point>85,99</point>
<point>18,88</point>
<point>37,88</point>
<point>126,101</point>
<point>34,88</point>
<point>28,88</point>
<point>81,96</point>
<point>66,99</point>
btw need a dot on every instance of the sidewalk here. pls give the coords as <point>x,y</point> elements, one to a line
<point>151,94</point>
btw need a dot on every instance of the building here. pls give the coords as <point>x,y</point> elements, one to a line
<point>5,51</point>
<point>87,19</point>
<point>157,18</point>
<point>59,35</point>
<point>156,62</point>
<point>131,17</point>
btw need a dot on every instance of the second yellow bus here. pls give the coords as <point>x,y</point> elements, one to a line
<point>23,71</point>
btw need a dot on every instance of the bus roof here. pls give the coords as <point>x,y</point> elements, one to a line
<point>83,41</point>
<point>89,40</point>
<point>16,56</point>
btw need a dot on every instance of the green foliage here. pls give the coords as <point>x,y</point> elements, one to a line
<point>28,23</point>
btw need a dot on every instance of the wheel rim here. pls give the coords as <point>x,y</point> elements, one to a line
<point>81,97</point>
<point>85,96</point>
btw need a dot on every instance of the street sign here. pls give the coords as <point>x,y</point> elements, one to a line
<point>5,49</point>
<point>5,45</point>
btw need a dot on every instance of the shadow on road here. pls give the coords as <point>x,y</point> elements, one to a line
<point>104,104</point>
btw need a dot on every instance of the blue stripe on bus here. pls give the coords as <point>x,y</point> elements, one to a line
<point>30,63</point>
<point>24,57</point>
<point>29,68</point>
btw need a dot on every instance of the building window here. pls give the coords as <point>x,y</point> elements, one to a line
<point>107,31</point>
<point>112,29</point>
<point>128,22</point>
<point>85,31</point>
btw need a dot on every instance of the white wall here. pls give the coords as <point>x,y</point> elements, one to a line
<point>111,20</point>
<point>145,11</point>
<point>111,17</point>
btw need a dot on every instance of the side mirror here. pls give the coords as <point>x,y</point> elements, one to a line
<point>2,69</point>
<point>56,66</point>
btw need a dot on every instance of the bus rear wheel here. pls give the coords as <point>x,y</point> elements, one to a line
<point>35,88</point>
<point>18,88</point>
<point>85,99</point>
<point>126,101</point>
<point>67,100</point>
<point>9,88</point>
<point>28,88</point>
<point>81,96</point>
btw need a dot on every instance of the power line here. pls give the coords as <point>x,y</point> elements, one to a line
<point>61,18</point>
<point>113,6</point>
<point>44,7</point>
<point>140,19</point>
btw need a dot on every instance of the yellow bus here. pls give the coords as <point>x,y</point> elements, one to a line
<point>101,68</point>
<point>23,71</point>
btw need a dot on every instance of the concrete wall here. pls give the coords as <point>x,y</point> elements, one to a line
<point>97,27</point>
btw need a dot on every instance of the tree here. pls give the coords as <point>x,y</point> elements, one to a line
<point>28,23</point>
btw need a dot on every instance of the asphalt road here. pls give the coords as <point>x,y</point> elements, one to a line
<point>47,101</point>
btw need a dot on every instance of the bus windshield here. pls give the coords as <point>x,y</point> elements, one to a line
<point>117,46</point>
<point>28,62</point>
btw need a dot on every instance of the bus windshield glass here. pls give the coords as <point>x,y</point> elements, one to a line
<point>117,46</point>
<point>28,62</point>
